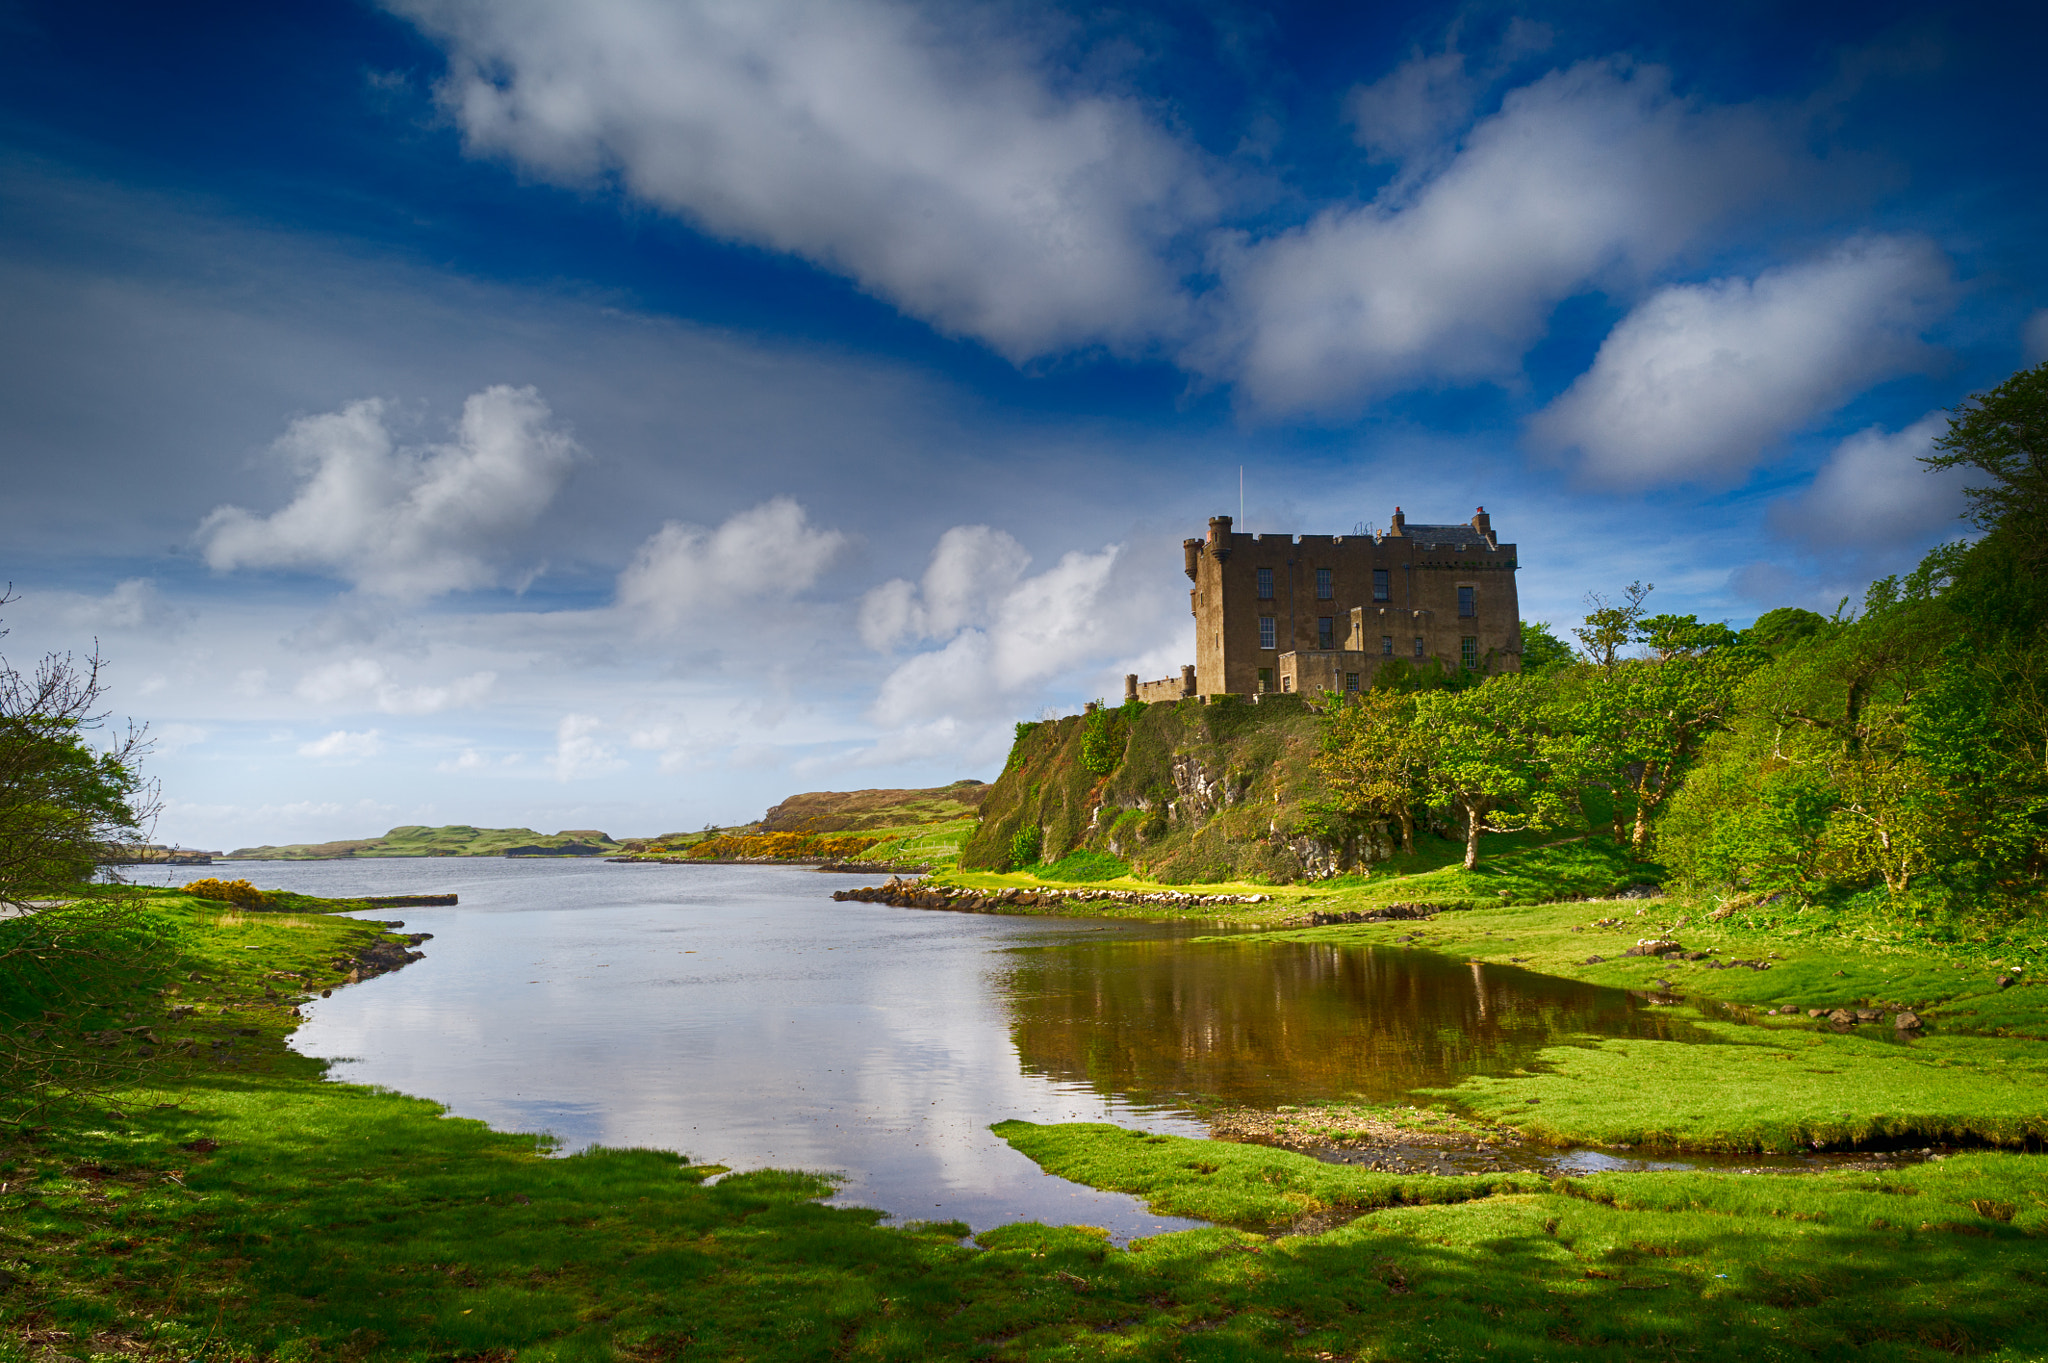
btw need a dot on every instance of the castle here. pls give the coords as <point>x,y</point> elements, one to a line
<point>1308,613</point>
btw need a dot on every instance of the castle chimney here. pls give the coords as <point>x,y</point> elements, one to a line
<point>1483,523</point>
<point>1219,536</point>
<point>1399,525</point>
<point>1130,686</point>
<point>1191,554</point>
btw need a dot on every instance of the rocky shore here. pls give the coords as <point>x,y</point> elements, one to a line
<point>912,894</point>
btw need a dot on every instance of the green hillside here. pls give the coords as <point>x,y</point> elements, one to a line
<point>1177,793</point>
<point>449,840</point>
<point>860,811</point>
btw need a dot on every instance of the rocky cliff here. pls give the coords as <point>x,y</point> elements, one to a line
<point>1180,792</point>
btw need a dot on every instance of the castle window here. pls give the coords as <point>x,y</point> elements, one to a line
<point>1387,645</point>
<point>1267,634</point>
<point>1350,681</point>
<point>1468,602</point>
<point>1326,586</point>
<point>1468,653</point>
<point>1265,679</point>
<point>1326,632</point>
<point>1418,645</point>
<point>1382,588</point>
<point>1287,683</point>
<point>1266,586</point>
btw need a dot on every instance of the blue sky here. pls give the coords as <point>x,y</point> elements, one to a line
<point>624,414</point>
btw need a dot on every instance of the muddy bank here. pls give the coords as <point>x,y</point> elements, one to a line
<point>381,957</point>
<point>1426,1141</point>
<point>917,895</point>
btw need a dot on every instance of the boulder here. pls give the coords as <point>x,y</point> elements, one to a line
<point>1906,1022</point>
<point>1842,1016</point>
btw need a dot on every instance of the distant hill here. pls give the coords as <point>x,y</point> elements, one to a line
<point>852,811</point>
<point>449,840</point>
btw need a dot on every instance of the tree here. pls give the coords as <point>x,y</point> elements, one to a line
<point>1542,650</point>
<point>1785,627</point>
<point>2003,434</point>
<point>1372,759</point>
<point>1609,628</point>
<point>62,801</point>
<point>1484,758</point>
<point>1683,636</point>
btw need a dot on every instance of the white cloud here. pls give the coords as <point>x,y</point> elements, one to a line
<point>1700,380</point>
<point>343,746</point>
<point>407,522</point>
<point>2035,336</point>
<point>971,569</point>
<point>133,603</point>
<point>1874,494</point>
<point>1415,109</point>
<point>1591,176</point>
<point>468,760</point>
<point>923,152</point>
<point>365,681</point>
<point>770,552</point>
<point>1071,621</point>
<point>578,750</point>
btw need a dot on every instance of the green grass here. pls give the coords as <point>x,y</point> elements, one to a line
<point>936,845</point>
<point>417,840</point>
<point>339,1222</point>
<point>1925,1261</point>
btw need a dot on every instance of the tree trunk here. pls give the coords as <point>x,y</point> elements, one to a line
<point>1471,836</point>
<point>1407,822</point>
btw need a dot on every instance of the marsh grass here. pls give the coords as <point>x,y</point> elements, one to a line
<point>235,1205</point>
<point>1922,1262</point>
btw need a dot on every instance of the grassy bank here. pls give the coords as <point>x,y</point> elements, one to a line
<point>235,1205</point>
<point>1942,1258</point>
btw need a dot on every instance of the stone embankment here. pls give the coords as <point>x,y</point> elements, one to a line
<point>910,894</point>
<point>1383,913</point>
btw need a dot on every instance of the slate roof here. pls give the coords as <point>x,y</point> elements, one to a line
<point>1443,534</point>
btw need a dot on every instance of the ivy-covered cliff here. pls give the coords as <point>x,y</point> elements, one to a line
<point>1181,792</point>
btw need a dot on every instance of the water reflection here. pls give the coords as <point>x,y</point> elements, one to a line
<point>1261,1023</point>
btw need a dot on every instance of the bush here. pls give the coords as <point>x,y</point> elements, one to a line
<point>1026,844</point>
<point>1103,739</point>
<point>783,846</point>
<point>240,893</point>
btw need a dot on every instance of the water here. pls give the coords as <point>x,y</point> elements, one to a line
<point>738,1015</point>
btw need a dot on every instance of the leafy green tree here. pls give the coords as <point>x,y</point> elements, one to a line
<point>1785,627</point>
<point>1485,759</point>
<point>1542,650</point>
<point>62,801</point>
<point>1683,636</point>
<point>1372,760</point>
<point>2003,434</point>
<point>1609,628</point>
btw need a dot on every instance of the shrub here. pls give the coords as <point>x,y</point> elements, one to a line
<point>240,893</point>
<point>783,846</point>
<point>1025,846</point>
<point>1102,741</point>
